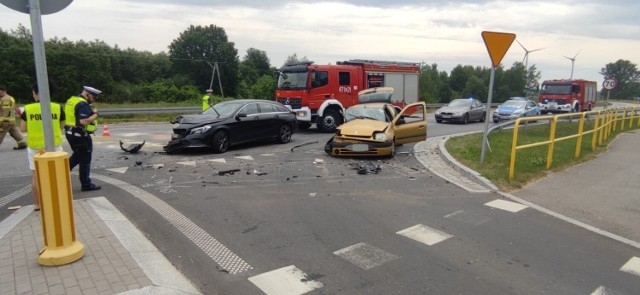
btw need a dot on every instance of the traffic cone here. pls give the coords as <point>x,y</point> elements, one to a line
<point>105,130</point>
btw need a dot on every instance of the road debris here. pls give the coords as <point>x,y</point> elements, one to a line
<point>231,172</point>
<point>318,161</point>
<point>300,145</point>
<point>366,167</point>
<point>132,148</point>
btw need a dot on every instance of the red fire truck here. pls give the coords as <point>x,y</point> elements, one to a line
<point>565,96</point>
<point>320,93</point>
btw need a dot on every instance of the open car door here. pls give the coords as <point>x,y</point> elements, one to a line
<point>410,125</point>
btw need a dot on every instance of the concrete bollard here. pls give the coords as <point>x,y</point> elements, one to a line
<point>56,210</point>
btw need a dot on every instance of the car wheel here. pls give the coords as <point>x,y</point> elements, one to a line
<point>304,126</point>
<point>220,142</point>
<point>284,133</point>
<point>465,119</point>
<point>483,117</point>
<point>329,121</point>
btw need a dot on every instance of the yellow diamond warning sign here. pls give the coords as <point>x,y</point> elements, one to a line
<point>497,44</point>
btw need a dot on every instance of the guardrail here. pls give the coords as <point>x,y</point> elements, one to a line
<point>150,110</point>
<point>606,122</point>
<point>196,109</point>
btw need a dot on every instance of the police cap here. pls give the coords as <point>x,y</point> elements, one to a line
<point>92,91</point>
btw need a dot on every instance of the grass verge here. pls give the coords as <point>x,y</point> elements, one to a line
<point>531,162</point>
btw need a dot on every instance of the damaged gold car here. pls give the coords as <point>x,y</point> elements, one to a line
<point>375,126</point>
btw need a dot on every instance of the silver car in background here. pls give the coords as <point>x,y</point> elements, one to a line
<point>462,110</point>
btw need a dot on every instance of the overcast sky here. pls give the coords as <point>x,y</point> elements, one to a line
<point>447,33</point>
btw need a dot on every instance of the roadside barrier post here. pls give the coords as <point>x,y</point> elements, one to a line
<point>56,210</point>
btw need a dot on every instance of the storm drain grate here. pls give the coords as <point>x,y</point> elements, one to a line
<point>224,257</point>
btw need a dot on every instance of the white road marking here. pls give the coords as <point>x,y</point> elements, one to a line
<point>250,158</point>
<point>602,290</point>
<point>506,205</point>
<point>288,280</point>
<point>267,155</point>
<point>219,160</point>
<point>188,163</point>
<point>365,256</point>
<point>632,266</point>
<point>218,252</point>
<point>120,170</point>
<point>424,234</point>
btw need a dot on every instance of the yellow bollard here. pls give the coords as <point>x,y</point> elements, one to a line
<point>56,210</point>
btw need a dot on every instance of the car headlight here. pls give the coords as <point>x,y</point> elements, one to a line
<point>200,130</point>
<point>380,136</point>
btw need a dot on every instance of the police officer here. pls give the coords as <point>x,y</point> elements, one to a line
<point>78,130</point>
<point>7,119</point>
<point>207,100</point>
<point>32,124</point>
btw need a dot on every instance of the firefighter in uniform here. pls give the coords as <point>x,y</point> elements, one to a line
<point>32,124</point>
<point>8,120</point>
<point>79,127</point>
<point>207,100</point>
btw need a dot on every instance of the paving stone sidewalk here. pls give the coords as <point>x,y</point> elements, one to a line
<point>118,259</point>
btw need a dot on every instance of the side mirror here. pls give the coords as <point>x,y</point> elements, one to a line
<point>241,115</point>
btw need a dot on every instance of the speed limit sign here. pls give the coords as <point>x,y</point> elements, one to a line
<point>609,83</point>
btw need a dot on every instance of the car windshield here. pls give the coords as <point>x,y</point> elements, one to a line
<point>365,113</point>
<point>459,103</point>
<point>514,103</point>
<point>224,109</point>
<point>293,80</point>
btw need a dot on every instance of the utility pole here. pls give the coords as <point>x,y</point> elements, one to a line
<point>214,69</point>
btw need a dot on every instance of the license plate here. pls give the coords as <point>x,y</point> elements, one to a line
<point>446,116</point>
<point>359,147</point>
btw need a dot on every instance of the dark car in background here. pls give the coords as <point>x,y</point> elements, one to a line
<point>233,122</point>
<point>462,110</point>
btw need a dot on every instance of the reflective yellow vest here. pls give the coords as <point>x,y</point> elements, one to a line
<point>7,104</point>
<point>205,102</point>
<point>35,129</point>
<point>70,113</point>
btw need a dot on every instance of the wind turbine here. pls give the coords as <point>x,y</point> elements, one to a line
<point>525,60</point>
<point>573,60</point>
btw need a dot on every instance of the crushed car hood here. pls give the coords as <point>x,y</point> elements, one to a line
<point>362,127</point>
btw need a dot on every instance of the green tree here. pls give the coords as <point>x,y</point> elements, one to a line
<point>291,59</point>
<point>196,50</point>
<point>433,84</point>
<point>627,77</point>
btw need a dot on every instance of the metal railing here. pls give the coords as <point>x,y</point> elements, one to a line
<point>606,122</point>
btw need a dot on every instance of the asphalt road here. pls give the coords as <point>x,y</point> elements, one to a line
<point>231,222</point>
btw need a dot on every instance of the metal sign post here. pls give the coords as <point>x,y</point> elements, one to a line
<point>497,44</point>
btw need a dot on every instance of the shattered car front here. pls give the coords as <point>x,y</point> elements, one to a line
<point>376,127</point>
<point>362,137</point>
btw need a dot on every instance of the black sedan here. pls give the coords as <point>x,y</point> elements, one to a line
<point>233,122</point>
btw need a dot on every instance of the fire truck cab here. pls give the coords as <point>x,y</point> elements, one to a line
<point>565,96</point>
